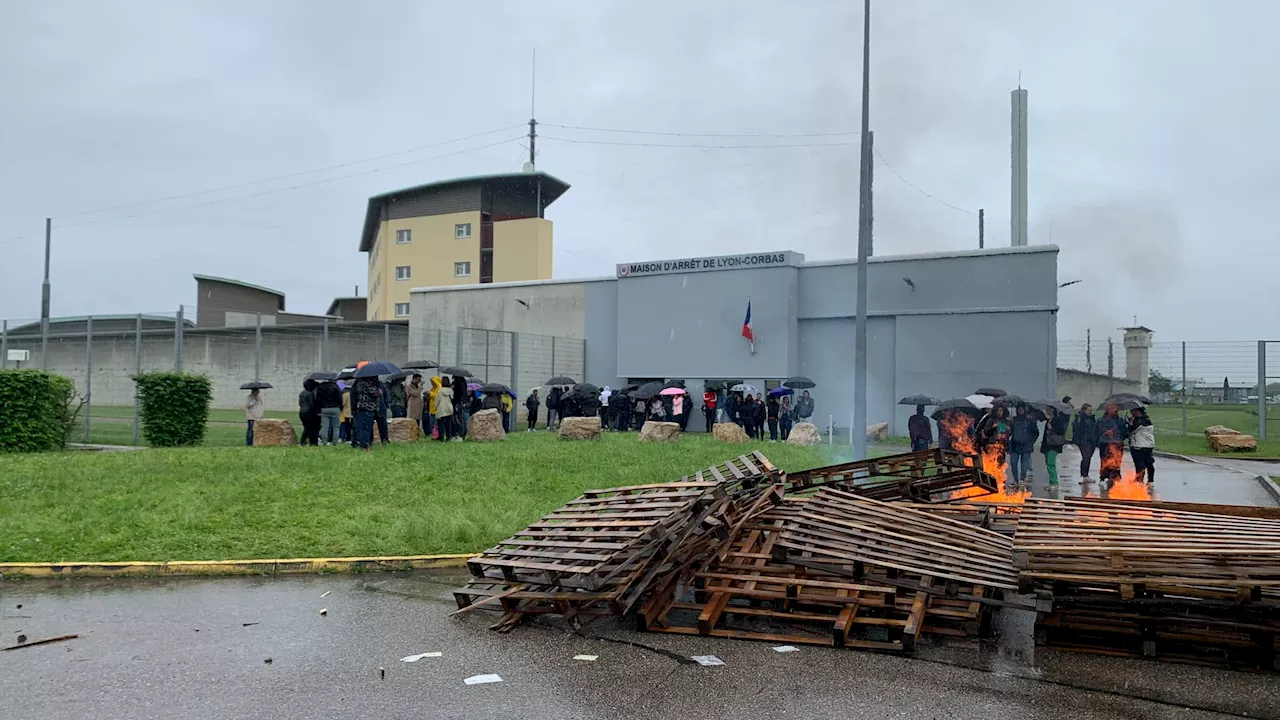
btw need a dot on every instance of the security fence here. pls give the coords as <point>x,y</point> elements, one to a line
<point>102,353</point>
<point>1237,382</point>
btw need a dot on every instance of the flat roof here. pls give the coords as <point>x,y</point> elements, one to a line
<point>241,283</point>
<point>552,188</point>
<point>333,305</point>
<point>106,318</point>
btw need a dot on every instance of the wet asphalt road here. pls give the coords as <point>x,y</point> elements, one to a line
<point>179,648</point>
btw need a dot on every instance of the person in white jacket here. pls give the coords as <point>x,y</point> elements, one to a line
<point>1142,444</point>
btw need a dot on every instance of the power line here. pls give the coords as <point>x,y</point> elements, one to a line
<point>920,190</point>
<point>684,134</point>
<point>287,176</point>
<point>695,147</point>
<point>291,187</point>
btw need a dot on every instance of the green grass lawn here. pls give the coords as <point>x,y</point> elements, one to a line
<point>214,503</point>
<point>1168,421</point>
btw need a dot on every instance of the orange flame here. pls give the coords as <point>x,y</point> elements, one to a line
<point>957,427</point>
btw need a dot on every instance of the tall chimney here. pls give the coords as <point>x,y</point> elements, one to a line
<point>1018,175</point>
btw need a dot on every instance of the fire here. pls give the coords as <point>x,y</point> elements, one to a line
<point>957,427</point>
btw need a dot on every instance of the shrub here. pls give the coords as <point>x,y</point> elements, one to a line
<point>37,410</point>
<point>173,407</point>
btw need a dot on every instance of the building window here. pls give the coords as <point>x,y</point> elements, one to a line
<point>404,237</point>
<point>461,231</point>
<point>462,269</point>
<point>402,309</point>
<point>402,272</point>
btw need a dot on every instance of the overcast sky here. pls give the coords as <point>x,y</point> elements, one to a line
<point>1154,139</point>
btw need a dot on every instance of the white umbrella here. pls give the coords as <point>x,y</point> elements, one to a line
<point>982,402</point>
<point>744,388</point>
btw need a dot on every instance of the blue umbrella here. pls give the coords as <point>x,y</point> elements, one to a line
<point>780,391</point>
<point>376,368</point>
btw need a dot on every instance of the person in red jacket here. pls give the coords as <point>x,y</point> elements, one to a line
<point>709,399</point>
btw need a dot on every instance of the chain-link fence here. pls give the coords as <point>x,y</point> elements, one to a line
<point>1192,384</point>
<point>101,354</point>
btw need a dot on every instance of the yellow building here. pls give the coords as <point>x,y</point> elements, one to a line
<point>483,229</point>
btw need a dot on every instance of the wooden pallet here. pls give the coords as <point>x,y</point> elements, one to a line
<point>925,476</point>
<point>598,554</point>
<point>1139,550</point>
<point>841,530</point>
<point>746,593</point>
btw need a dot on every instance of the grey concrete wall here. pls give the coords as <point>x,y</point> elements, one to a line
<point>601,321</point>
<point>547,308</point>
<point>690,325</point>
<point>1091,388</point>
<point>226,356</point>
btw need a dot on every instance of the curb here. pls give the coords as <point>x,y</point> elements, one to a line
<point>232,567</point>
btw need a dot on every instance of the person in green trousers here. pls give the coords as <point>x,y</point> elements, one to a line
<point>1055,437</point>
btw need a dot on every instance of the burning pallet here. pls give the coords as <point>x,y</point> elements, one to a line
<point>925,476</point>
<point>1150,581</point>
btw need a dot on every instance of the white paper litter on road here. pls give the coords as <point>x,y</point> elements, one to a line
<point>588,658</point>
<point>786,648</point>
<point>707,660</point>
<point>326,593</point>
<point>419,656</point>
<point>482,679</point>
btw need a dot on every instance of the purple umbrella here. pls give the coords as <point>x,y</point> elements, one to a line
<point>780,391</point>
<point>474,386</point>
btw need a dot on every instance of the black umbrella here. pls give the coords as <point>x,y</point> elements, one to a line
<point>495,389</point>
<point>322,376</point>
<point>585,389</point>
<point>562,380</point>
<point>673,384</point>
<point>456,371</point>
<point>420,365</point>
<point>958,404</point>
<point>1133,396</point>
<point>402,375</point>
<point>647,390</point>
<point>714,385</point>
<point>993,392</point>
<point>1057,405</point>
<point>918,400</point>
<point>256,385</point>
<point>1009,400</point>
<point>799,382</point>
<point>376,368</point>
<point>347,373</point>
<point>1123,404</point>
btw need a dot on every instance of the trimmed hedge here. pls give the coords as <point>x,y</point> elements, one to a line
<point>37,410</point>
<point>173,407</point>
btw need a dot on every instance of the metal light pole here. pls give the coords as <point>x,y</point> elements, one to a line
<point>859,431</point>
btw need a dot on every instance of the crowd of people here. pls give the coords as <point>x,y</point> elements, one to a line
<point>347,410</point>
<point>1011,439</point>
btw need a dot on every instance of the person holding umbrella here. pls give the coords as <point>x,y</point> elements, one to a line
<point>784,417</point>
<point>804,407</point>
<point>553,405</point>
<point>252,412</point>
<point>413,391</point>
<point>461,406</point>
<point>920,430</point>
<point>329,401</point>
<point>1142,444</point>
<point>771,416</point>
<point>443,399</point>
<point>309,413</point>
<point>366,399</point>
<point>1112,431</point>
<point>1084,433</point>
<point>709,400</point>
<point>531,404</point>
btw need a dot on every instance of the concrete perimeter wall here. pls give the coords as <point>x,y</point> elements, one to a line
<point>289,354</point>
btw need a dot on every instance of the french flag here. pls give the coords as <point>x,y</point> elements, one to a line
<point>747,331</point>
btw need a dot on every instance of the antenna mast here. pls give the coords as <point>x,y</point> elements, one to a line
<point>533,123</point>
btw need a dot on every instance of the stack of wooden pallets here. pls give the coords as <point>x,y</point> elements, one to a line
<point>925,476</point>
<point>1147,580</point>
<point>841,570</point>
<point>599,553</point>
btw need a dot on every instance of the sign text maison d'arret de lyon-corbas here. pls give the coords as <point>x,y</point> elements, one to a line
<point>720,262</point>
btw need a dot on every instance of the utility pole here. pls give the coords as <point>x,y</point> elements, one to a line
<point>44,289</point>
<point>981,227</point>
<point>533,127</point>
<point>859,429</point>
